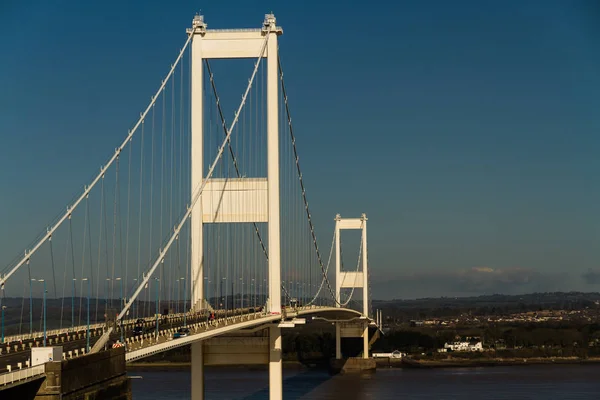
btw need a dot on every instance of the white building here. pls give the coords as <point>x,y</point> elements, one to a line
<point>464,346</point>
<point>393,354</point>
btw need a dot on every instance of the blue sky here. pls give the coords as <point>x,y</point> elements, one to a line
<point>467,131</point>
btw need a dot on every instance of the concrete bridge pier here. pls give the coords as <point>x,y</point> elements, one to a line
<point>275,364</point>
<point>338,341</point>
<point>259,346</point>
<point>197,371</point>
<point>351,330</point>
<point>365,336</point>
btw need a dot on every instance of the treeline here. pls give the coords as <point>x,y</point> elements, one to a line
<point>547,338</point>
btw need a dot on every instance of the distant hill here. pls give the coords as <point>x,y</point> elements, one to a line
<point>496,304</point>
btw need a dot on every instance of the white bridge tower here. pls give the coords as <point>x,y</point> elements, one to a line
<point>352,279</point>
<point>229,44</point>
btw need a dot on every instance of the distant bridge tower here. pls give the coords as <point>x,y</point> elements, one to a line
<point>352,279</point>
<point>236,43</point>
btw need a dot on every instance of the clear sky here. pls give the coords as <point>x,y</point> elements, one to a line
<point>468,131</point>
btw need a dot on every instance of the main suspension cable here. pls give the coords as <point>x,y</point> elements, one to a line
<point>50,230</point>
<point>308,215</point>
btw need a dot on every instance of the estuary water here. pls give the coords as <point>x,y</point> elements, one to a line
<point>573,382</point>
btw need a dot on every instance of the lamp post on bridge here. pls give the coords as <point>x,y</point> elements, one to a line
<point>242,297</point>
<point>3,308</point>
<point>184,302</point>
<point>223,297</point>
<point>178,296</point>
<point>73,305</point>
<point>44,306</point>
<point>121,305</point>
<point>157,307</point>
<point>87,335</point>
<point>134,311</point>
<point>253,290</point>
<point>207,287</point>
<point>106,297</point>
<point>30,308</point>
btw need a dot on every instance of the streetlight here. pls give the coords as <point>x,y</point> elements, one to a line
<point>73,305</point>
<point>30,308</point>
<point>134,312</point>
<point>87,336</point>
<point>157,290</point>
<point>3,308</point>
<point>121,305</point>
<point>178,296</point>
<point>223,297</point>
<point>184,302</point>
<point>44,282</point>
<point>207,286</point>
<point>106,297</point>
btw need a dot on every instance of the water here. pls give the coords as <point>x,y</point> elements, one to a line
<point>573,382</point>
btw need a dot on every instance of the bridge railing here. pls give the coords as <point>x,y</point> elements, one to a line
<point>21,374</point>
<point>52,332</point>
<point>75,329</point>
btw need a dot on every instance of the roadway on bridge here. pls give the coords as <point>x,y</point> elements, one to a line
<point>72,342</point>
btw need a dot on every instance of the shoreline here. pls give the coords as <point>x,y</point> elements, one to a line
<point>476,363</point>
<point>405,363</point>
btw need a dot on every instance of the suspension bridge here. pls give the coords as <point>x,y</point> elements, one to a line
<point>196,231</point>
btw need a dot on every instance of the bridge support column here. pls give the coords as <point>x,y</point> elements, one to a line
<point>275,364</point>
<point>365,336</point>
<point>197,162</point>
<point>338,341</point>
<point>197,371</point>
<point>274,227</point>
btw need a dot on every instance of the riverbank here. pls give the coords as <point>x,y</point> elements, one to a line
<point>406,362</point>
<point>450,362</point>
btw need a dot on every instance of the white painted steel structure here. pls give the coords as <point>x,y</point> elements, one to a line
<point>351,279</point>
<point>257,43</point>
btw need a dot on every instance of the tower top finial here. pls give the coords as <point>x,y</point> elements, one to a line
<point>270,24</point>
<point>198,24</point>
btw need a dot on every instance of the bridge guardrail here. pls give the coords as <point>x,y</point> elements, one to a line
<point>21,374</point>
<point>76,329</point>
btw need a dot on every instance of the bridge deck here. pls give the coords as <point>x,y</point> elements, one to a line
<point>147,345</point>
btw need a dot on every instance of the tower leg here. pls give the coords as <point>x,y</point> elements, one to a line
<point>197,371</point>
<point>366,340</point>
<point>338,341</point>
<point>274,227</point>
<point>196,281</point>
<point>275,364</point>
